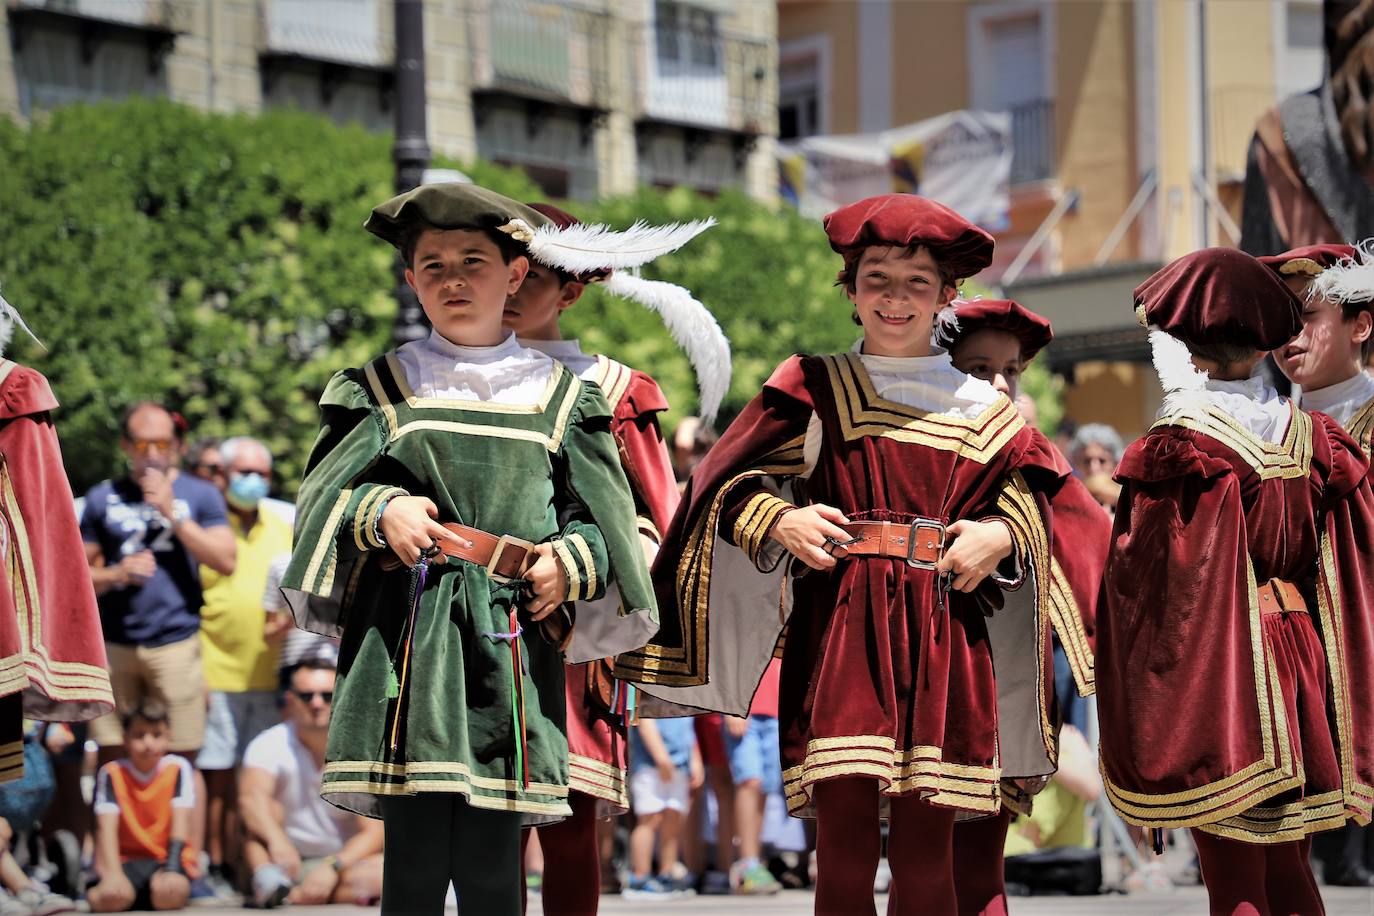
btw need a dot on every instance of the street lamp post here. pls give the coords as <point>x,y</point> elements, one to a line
<point>411,152</point>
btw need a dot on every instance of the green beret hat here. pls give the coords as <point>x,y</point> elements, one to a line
<point>452,205</point>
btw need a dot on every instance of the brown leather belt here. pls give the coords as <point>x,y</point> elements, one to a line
<point>504,557</point>
<point>1280,597</point>
<point>919,542</point>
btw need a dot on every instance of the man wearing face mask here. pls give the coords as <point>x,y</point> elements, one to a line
<point>240,661</point>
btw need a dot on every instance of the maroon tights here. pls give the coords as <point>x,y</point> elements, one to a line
<point>572,860</point>
<point>979,870</point>
<point>1250,879</point>
<point>848,844</point>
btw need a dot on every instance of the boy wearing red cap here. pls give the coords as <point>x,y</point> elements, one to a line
<point>994,340</point>
<point>597,705</point>
<point>888,498</point>
<point>1234,638</point>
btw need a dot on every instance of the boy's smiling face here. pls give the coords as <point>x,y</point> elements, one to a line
<point>1327,351</point>
<point>462,284</point>
<point>897,293</point>
<point>533,310</point>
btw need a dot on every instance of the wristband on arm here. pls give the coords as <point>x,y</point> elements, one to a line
<point>173,863</point>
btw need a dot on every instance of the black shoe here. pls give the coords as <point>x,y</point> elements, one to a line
<point>1354,876</point>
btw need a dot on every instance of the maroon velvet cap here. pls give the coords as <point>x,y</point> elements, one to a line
<point>903,220</point>
<point>1003,315</point>
<point>1221,295</point>
<point>1309,260</point>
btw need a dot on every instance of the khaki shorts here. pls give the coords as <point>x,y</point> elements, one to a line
<point>170,673</point>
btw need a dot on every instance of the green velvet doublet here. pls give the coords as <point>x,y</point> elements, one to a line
<point>543,472</point>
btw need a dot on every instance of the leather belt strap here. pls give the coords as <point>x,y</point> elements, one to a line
<point>1278,597</point>
<point>504,557</point>
<point>919,542</point>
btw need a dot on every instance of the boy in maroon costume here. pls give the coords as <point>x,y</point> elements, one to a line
<point>1235,647</point>
<point>596,712</point>
<point>907,495</point>
<point>995,340</point>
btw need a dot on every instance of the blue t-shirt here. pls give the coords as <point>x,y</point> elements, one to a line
<point>678,737</point>
<point>166,608</point>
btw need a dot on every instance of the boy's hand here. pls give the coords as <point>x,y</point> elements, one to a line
<point>409,526</point>
<point>977,549</point>
<point>548,583</point>
<point>696,771</point>
<point>317,888</point>
<point>285,856</point>
<point>667,770</point>
<point>138,568</point>
<point>803,532</point>
<point>737,726</point>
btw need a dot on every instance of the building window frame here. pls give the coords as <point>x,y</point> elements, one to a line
<point>1279,18</point>
<point>817,47</point>
<point>982,16</point>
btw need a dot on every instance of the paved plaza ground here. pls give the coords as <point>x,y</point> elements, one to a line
<point>1183,902</point>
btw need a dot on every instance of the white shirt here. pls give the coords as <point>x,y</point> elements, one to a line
<point>1341,400</point>
<point>314,826</point>
<point>507,373</point>
<point>567,352</point>
<point>1254,404</point>
<point>929,383</point>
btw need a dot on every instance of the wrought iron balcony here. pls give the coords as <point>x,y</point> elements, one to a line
<point>699,76</point>
<point>541,49</point>
<point>1032,138</point>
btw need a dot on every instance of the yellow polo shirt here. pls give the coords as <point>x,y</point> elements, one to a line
<point>236,656</point>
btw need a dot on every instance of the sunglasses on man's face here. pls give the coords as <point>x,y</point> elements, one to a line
<point>144,446</point>
<point>308,696</point>
<point>209,468</point>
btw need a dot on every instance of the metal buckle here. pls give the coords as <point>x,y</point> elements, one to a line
<point>499,551</point>
<point>928,523</point>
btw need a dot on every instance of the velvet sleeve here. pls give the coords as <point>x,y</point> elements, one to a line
<point>644,454</point>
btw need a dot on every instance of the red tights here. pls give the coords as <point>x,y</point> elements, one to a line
<point>1249,879</point>
<point>979,870</point>
<point>572,860</point>
<point>848,844</point>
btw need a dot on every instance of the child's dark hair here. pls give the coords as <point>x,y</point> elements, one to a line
<point>1223,354</point>
<point>510,249</point>
<point>848,275</point>
<point>149,710</point>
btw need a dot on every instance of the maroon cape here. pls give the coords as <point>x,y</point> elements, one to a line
<point>879,677</point>
<point>52,654</point>
<point>1249,725</point>
<point>1082,536</point>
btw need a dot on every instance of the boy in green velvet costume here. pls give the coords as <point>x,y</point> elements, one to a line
<point>461,490</point>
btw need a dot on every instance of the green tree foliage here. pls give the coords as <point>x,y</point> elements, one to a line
<point>218,263</point>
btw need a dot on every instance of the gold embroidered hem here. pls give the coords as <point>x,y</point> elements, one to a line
<point>919,770</point>
<point>1283,823</point>
<point>599,780</point>
<point>356,786</point>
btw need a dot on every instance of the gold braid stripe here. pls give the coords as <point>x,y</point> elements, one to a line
<point>917,769</point>
<point>1068,623</point>
<point>1361,427</point>
<point>1290,459</point>
<point>584,553</point>
<point>575,579</point>
<point>754,523</point>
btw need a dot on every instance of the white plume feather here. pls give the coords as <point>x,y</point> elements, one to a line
<point>9,317</point>
<point>1183,382</point>
<point>1351,280</point>
<point>945,328</point>
<point>692,326</point>
<point>581,248</point>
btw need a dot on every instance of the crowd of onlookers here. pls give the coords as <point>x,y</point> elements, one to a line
<point>203,786</point>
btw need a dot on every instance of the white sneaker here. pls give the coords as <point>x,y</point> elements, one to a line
<point>271,884</point>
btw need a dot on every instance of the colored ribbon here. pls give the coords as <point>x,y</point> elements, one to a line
<point>396,687</point>
<point>517,673</point>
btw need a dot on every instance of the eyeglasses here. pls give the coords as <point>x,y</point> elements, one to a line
<point>209,468</point>
<point>307,696</point>
<point>144,446</point>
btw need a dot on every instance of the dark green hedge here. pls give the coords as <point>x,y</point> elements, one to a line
<point>218,262</point>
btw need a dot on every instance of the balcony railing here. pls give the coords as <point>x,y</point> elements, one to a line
<point>705,77</point>
<point>1032,139</point>
<point>542,49</point>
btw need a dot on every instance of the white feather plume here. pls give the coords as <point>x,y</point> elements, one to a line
<point>9,317</point>
<point>581,248</point>
<point>945,328</point>
<point>1183,382</point>
<point>692,326</point>
<point>1351,280</point>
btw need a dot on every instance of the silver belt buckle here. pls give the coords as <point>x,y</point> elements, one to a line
<point>911,542</point>
<point>499,551</point>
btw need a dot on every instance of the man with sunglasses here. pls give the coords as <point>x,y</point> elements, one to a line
<point>147,534</point>
<point>301,849</point>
